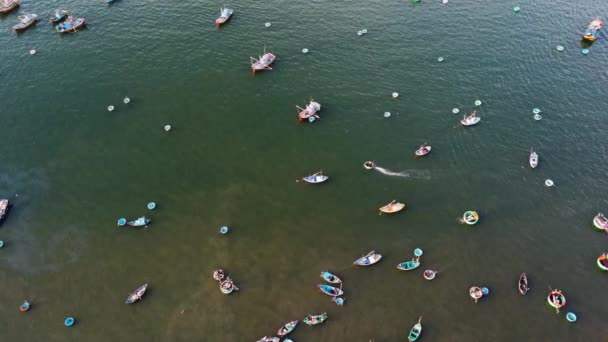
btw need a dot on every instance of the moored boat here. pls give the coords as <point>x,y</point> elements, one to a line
<point>369,259</point>
<point>263,63</point>
<point>310,112</point>
<point>409,265</point>
<point>330,278</point>
<point>219,275</point>
<point>315,319</point>
<point>140,222</point>
<point>227,286</point>
<point>70,25</point>
<point>287,328</point>
<point>429,274</point>
<point>593,30</point>
<point>25,21</point>
<point>470,217</point>
<point>556,299</point>
<point>316,178</point>
<point>600,222</point>
<point>330,290</point>
<point>58,16</point>
<point>225,14</point>
<point>8,5</point>
<point>392,207</point>
<point>269,339</point>
<point>470,120</point>
<point>533,159</point>
<point>137,294</point>
<point>602,262</point>
<point>415,331</point>
<point>423,150</point>
<point>475,293</point>
<point>4,206</point>
<point>522,284</point>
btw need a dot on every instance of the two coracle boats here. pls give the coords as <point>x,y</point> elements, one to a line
<point>392,207</point>
<point>25,21</point>
<point>602,262</point>
<point>59,16</point>
<point>556,299</point>
<point>315,319</point>
<point>8,5</point>
<point>225,14</point>
<point>310,112</point>
<point>70,25</point>
<point>369,259</point>
<point>471,119</point>
<point>287,328</point>
<point>330,278</point>
<point>423,150</point>
<point>600,222</point>
<point>315,178</point>
<point>522,284</point>
<point>140,222</point>
<point>137,294</point>
<point>533,159</point>
<point>593,30</point>
<point>330,290</point>
<point>4,206</point>
<point>263,63</point>
<point>415,331</point>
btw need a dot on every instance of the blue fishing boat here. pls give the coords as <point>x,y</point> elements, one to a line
<point>25,21</point>
<point>330,290</point>
<point>330,278</point>
<point>137,294</point>
<point>593,30</point>
<point>59,16</point>
<point>70,25</point>
<point>8,5</point>
<point>140,222</point>
<point>409,265</point>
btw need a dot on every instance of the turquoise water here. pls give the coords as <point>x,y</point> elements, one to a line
<point>71,168</point>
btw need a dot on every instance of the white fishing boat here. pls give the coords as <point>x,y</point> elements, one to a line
<point>533,159</point>
<point>316,178</point>
<point>470,120</point>
<point>423,150</point>
<point>263,63</point>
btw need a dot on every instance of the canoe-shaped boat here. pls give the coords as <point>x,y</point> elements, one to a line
<point>315,319</point>
<point>227,286</point>
<point>225,14</point>
<point>287,328</point>
<point>556,299</point>
<point>263,63</point>
<point>475,293</point>
<point>409,265</point>
<point>522,284</point>
<point>219,275</point>
<point>59,16</point>
<point>392,207</point>
<point>8,5</point>
<point>470,217</point>
<point>137,294</point>
<point>25,21</point>
<point>4,205</point>
<point>470,120</point>
<point>269,339</point>
<point>369,259</point>
<point>429,274</point>
<point>310,112</point>
<point>600,222</point>
<point>316,178</point>
<point>602,262</point>
<point>70,25</point>
<point>423,150</point>
<point>330,290</point>
<point>416,331</point>
<point>533,159</point>
<point>140,222</point>
<point>330,278</point>
<point>593,30</point>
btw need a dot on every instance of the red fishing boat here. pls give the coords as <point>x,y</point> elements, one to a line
<point>225,14</point>
<point>263,63</point>
<point>310,112</point>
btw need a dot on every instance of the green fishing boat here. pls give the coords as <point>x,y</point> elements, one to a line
<point>416,330</point>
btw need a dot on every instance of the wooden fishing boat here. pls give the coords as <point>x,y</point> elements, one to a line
<point>556,299</point>
<point>330,290</point>
<point>310,112</point>
<point>287,328</point>
<point>522,284</point>
<point>225,14</point>
<point>470,217</point>
<point>269,339</point>
<point>369,259</point>
<point>409,265</point>
<point>416,331</point>
<point>59,16</point>
<point>475,293</point>
<point>429,274</point>
<point>219,275</point>
<point>600,222</point>
<point>315,319</point>
<point>4,206</point>
<point>330,278</point>
<point>263,63</point>
<point>137,294</point>
<point>70,25</point>
<point>602,262</point>
<point>25,21</point>
<point>316,178</point>
<point>533,159</point>
<point>392,207</point>
<point>470,120</point>
<point>8,5</point>
<point>140,222</point>
<point>423,150</point>
<point>593,30</point>
<point>227,286</point>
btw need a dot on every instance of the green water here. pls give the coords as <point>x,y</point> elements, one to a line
<point>71,168</point>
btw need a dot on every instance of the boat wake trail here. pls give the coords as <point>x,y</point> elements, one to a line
<point>417,174</point>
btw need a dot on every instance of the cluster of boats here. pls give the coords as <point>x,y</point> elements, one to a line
<point>65,22</point>
<point>332,291</point>
<point>226,284</point>
<point>289,327</point>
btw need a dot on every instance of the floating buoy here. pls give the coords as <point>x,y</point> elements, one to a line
<point>267,24</point>
<point>549,183</point>
<point>585,51</point>
<point>560,48</point>
<point>364,31</point>
<point>571,317</point>
<point>395,95</point>
<point>455,110</point>
<point>224,230</point>
<point>304,50</point>
<point>69,321</point>
<point>339,301</point>
<point>444,1</point>
<point>387,114</point>
<point>32,52</point>
<point>537,117</point>
<point>126,100</point>
<point>418,252</point>
<point>151,205</point>
<point>360,33</point>
<point>485,291</point>
<point>516,9</point>
<point>478,102</point>
<point>311,119</point>
<point>536,110</point>
<point>368,165</point>
<point>439,59</point>
<point>167,128</point>
<point>25,306</point>
<point>110,108</point>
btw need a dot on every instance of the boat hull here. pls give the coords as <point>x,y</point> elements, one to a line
<point>137,294</point>
<point>330,278</point>
<point>9,8</point>
<point>224,17</point>
<point>368,260</point>
<point>559,304</point>
<point>315,319</point>
<point>287,328</point>
<point>473,214</point>
<point>421,152</point>
<point>316,179</point>
<point>408,265</point>
<point>392,208</point>
<point>330,290</point>
<point>602,262</point>
<point>522,284</point>
<point>429,274</point>
<point>599,224</point>
<point>415,332</point>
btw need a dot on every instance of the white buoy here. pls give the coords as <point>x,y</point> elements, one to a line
<point>560,48</point>
<point>305,50</point>
<point>536,111</point>
<point>445,1</point>
<point>439,59</point>
<point>477,102</point>
<point>360,32</point>
<point>364,31</point>
<point>167,128</point>
<point>267,24</point>
<point>516,9</point>
<point>32,52</point>
<point>110,108</point>
<point>455,110</point>
<point>549,183</point>
<point>537,117</point>
<point>395,95</point>
<point>387,114</point>
<point>126,100</point>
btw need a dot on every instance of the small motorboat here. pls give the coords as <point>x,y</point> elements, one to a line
<point>423,150</point>
<point>533,159</point>
<point>330,278</point>
<point>219,275</point>
<point>25,21</point>
<point>140,222</point>
<point>4,206</point>
<point>475,293</point>
<point>470,217</point>
<point>315,319</point>
<point>556,299</point>
<point>416,331</point>
<point>368,165</point>
<point>330,290</point>
<point>369,259</point>
<point>269,339</point>
<point>227,286</point>
<point>59,16</point>
<point>429,274</point>
<point>470,120</point>
<point>310,112</point>
<point>392,207</point>
<point>316,178</point>
<point>70,25</point>
<point>600,222</point>
<point>522,284</point>
<point>225,14</point>
<point>602,262</point>
<point>287,328</point>
<point>263,63</point>
<point>137,294</point>
<point>8,5</point>
<point>409,265</point>
<point>593,30</point>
